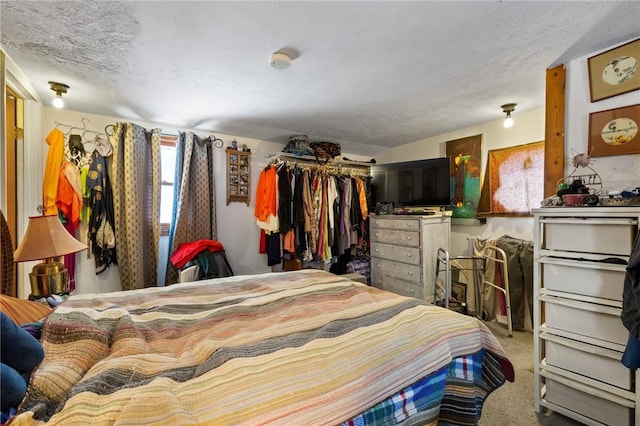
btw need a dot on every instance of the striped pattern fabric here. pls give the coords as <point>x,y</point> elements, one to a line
<point>23,311</point>
<point>303,347</point>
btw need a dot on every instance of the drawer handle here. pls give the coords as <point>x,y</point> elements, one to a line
<point>408,238</point>
<point>377,234</point>
<point>377,250</point>
<point>410,273</point>
<point>408,254</point>
<point>378,265</point>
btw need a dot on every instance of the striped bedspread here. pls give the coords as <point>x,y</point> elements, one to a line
<point>305,347</point>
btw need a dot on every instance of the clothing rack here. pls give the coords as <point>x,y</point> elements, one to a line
<point>335,167</point>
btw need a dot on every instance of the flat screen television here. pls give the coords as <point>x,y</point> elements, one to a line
<point>422,183</point>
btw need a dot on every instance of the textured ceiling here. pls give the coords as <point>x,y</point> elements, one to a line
<point>367,74</point>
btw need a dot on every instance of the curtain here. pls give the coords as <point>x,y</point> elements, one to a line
<point>136,203</point>
<point>194,204</point>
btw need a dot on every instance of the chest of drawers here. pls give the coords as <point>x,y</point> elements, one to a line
<point>404,250</point>
<point>579,338</point>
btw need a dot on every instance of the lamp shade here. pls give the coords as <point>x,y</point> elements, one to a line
<point>46,238</point>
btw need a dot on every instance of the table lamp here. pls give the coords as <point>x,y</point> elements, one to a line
<point>46,239</point>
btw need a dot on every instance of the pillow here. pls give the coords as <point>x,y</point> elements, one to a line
<point>23,311</point>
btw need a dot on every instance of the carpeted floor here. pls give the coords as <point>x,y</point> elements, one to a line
<point>512,403</point>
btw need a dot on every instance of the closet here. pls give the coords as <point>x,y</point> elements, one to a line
<point>312,213</point>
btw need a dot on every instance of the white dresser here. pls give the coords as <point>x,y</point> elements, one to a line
<point>404,250</point>
<point>579,337</point>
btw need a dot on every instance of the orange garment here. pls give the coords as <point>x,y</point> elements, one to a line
<point>55,139</point>
<point>266,208</point>
<point>68,201</point>
<point>289,241</point>
<point>362,198</point>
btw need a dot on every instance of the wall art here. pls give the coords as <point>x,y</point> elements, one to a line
<point>465,157</point>
<point>614,131</point>
<point>615,71</point>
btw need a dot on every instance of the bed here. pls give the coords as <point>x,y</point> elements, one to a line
<point>305,347</point>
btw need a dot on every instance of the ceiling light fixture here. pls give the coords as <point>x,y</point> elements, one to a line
<point>508,109</point>
<point>59,88</point>
<point>280,60</point>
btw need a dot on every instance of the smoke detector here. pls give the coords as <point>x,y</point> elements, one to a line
<point>280,60</point>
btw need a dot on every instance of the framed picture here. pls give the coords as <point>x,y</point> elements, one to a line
<point>615,71</point>
<point>465,154</point>
<point>614,131</point>
<point>458,292</point>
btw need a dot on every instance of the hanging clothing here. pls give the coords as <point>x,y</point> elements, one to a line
<point>194,207</point>
<point>285,197</point>
<point>520,269</point>
<point>102,216</point>
<point>55,139</point>
<point>136,202</point>
<point>266,208</point>
<point>69,194</point>
<point>631,291</point>
<point>345,212</point>
<point>319,215</point>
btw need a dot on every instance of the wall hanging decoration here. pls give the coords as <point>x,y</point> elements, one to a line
<point>465,157</point>
<point>615,71</point>
<point>238,175</point>
<point>614,131</point>
<point>513,182</point>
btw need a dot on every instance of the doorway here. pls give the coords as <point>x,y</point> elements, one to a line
<point>13,133</point>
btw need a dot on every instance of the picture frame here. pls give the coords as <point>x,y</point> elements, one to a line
<point>615,71</point>
<point>614,131</point>
<point>459,291</point>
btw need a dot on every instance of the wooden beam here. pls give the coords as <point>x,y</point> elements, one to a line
<point>554,129</point>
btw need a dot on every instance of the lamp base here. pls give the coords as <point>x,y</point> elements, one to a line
<point>47,278</point>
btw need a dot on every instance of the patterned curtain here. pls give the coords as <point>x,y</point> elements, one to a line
<point>136,204</point>
<point>194,202</point>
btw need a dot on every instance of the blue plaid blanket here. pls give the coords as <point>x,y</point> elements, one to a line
<point>438,396</point>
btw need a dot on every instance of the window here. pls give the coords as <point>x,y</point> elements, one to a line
<point>168,164</point>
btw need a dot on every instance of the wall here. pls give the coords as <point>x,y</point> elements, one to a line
<point>617,172</point>
<point>236,225</point>
<point>235,222</point>
<point>528,127</point>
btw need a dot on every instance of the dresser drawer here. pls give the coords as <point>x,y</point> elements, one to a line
<point>404,238</point>
<point>587,319</point>
<point>588,360</point>
<point>397,224</point>
<point>394,285</point>
<point>399,253</point>
<point>582,277</point>
<point>395,269</point>
<point>592,406</point>
<point>612,236</point>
